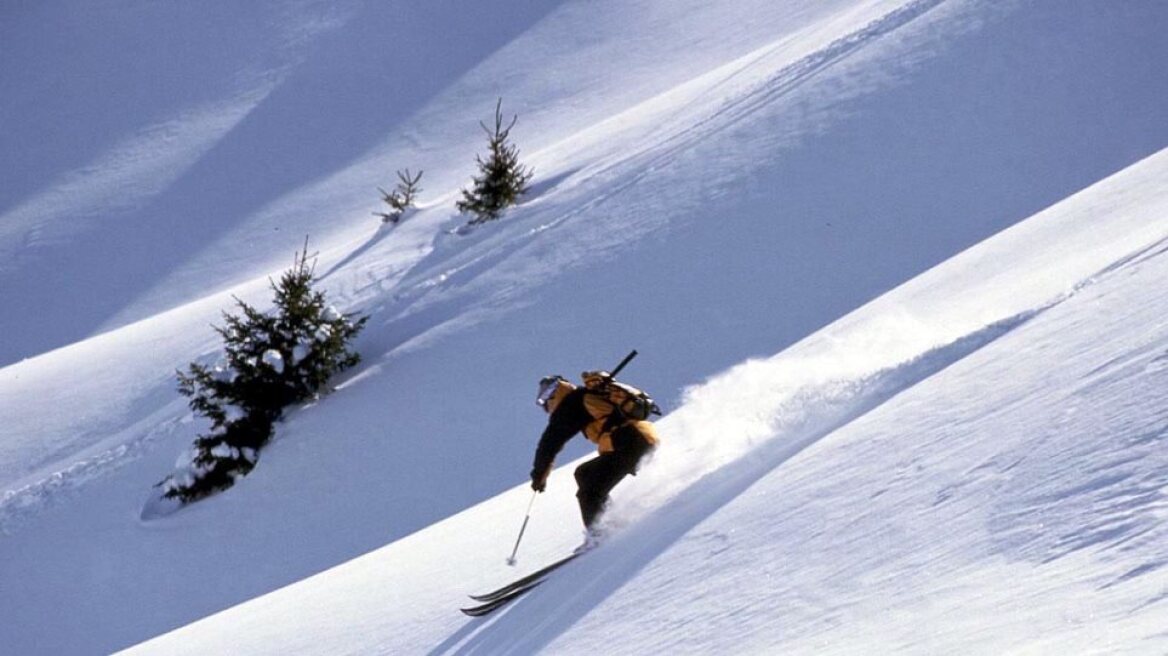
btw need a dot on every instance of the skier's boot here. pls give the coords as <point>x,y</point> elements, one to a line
<point>593,536</point>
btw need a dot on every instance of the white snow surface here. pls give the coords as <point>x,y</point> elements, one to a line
<point>895,270</point>
<point>1003,491</point>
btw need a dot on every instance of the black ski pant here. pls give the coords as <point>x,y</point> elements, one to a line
<point>598,476</point>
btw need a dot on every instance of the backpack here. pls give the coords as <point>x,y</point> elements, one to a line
<point>627,402</point>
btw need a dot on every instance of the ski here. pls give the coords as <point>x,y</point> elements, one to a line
<point>501,600</point>
<point>524,582</point>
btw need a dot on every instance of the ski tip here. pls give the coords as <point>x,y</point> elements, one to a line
<point>491,606</point>
<point>526,580</point>
<point>499,602</point>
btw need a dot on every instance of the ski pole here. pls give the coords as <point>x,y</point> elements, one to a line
<point>526,517</point>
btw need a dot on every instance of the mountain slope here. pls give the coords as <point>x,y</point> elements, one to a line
<point>1004,491</point>
<point>713,183</point>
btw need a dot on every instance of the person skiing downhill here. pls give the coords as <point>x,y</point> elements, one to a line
<point>611,415</point>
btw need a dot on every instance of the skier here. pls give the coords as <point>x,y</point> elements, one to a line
<point>613,416</point>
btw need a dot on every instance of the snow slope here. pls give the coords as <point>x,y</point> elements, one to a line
<point>742,174</point>
<point>1002,492</point>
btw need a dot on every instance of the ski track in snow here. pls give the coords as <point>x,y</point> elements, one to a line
<point>423,301</point>
<point>23,502</point>
<point>785,79</point>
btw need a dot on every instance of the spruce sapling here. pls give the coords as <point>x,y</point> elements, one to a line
<point>502,180</point>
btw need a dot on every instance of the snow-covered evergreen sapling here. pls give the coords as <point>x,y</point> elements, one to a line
<point>502,180</point>
<point>271,360</point>
<point>401,199</point>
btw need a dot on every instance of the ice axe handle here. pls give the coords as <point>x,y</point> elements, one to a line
<point>628,358</point>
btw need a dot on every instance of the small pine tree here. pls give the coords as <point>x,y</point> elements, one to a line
<point>501,180</point>
<point>271,360</point>
<point>402,197</point>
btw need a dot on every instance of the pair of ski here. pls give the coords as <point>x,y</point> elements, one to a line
<point>498,598</point>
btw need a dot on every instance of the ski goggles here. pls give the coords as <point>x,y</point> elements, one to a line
<point>547,389</point>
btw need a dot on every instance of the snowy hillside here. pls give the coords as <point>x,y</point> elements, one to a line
<point>717,184</point>
<point>1003,492</point>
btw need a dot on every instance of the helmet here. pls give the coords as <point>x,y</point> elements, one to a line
<point>547,389</point>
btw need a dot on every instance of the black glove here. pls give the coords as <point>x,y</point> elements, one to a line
<point>539,478</point>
